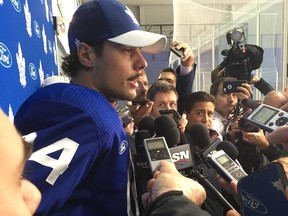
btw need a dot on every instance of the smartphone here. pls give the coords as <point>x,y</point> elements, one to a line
<point>263,192</point>
<point>177,52</point>
<point>157,150</point>
<point>225,166</point>
<point>231,86</point>
<point>140,102</point>
<point>173,112</point>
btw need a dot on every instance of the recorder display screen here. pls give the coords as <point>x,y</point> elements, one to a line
<point>155,144</point>
<point>264,114</point>
<point>222,159</point>
<point>157,149</point>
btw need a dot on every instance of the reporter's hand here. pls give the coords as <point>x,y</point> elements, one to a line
<point>256,138</point>
<point>279,136</point>
<point>232,213</point>
<point>138,112</point>
<point>254,79</point>
<point>182,123</point>
<point>245,91</point>
<point>168,178</point>
<point>231,187</point>
<point>129,128</point>
<point>188,55</point>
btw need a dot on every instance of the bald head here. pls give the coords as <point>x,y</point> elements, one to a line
<point>276,99</point>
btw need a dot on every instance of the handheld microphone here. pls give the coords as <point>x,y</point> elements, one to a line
<point>142,168</point>
<point>165,126</point>
<point>199,135</point>
<point>229,148</point>
<point>141,164</point>
<point>212,154</point>
<point>224,161</point>
<point>147,123</point>
<point>181,154</point>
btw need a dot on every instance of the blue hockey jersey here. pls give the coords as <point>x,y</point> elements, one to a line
<point>81,153</point>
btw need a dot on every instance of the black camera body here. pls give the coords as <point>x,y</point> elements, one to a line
<point>245,125</point>
<point>241,59</point>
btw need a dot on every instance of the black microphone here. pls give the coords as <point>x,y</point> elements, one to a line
<point>181,154</point>
<point>199,135</point>
<point>142,167</point>
<point>141,164</point>
<point>166,127</point>
<point>253,104</point>
<point>229,148</point>
<point>147,123</point>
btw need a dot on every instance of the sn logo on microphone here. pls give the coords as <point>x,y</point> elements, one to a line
<point>180,158</point>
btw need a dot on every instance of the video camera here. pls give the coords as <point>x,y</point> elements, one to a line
<point>241,59</point>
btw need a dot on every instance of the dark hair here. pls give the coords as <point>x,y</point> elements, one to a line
<point>168,69</point>
<point>215,85</point>
<point>199,96</point>
<point>160,86</point>
<point>71,64</point>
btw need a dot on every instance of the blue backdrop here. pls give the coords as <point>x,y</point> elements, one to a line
<point>28,51</point>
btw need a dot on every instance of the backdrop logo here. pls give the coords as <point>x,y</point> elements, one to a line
<point>5,56</point>
<point>37,29</point>
<point>33,71</point>
<point>16,4</point>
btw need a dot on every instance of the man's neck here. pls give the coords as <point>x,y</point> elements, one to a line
<point>223,114</point>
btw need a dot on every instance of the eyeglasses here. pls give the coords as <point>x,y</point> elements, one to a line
<point>145,84</point>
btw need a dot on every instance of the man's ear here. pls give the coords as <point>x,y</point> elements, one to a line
<point>85,54</point>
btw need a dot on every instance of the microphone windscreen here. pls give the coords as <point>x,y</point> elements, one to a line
<point>164,122</point>
<point>166,126</point>
<point>253,104</point>
<point>199,135</point>
<point>147,123</point>
<point>229,148</point>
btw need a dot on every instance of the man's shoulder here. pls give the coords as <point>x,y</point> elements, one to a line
<point>63,102</point>
<point>64,94</point>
